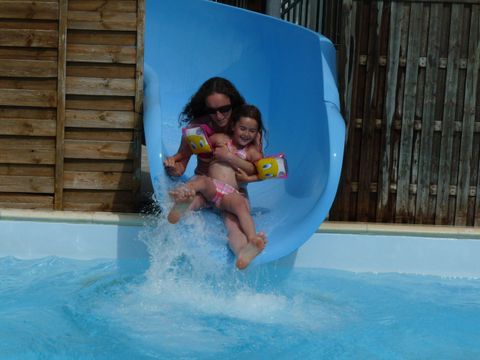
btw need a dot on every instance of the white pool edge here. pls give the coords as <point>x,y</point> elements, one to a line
<point>394,248</point>
<point>357,247</point>
<point>79,217</point>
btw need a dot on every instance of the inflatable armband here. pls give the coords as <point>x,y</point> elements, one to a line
<point>197,139</point>
<point>270,167</point>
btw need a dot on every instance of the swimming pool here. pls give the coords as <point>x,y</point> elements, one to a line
<point>108,302</point>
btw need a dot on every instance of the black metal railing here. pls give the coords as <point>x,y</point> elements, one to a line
<point>254,5</point>
<point>307,13</point>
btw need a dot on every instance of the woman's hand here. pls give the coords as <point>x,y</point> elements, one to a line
<point>172,167</point>
<point>221,153</point>
<point>169,162</point>
<point>243,177</point>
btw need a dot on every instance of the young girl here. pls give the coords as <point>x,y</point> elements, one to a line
<point>212,105</point>
<point>220,187</point>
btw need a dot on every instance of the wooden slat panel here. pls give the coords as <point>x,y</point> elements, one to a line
<point>426,141</point>
<point>114,207</point>
<point>27,113</point>
<point>343,205</point>
<point>467,150</point>
<point>450,104</point>
<point>402,213</point>
<point>98,150</point>
<point>28,54</point>
<point>99,134</point>
<point>100,119</point>
<point>28,68</point>
<point>32,127</point>
<point>29,10</point>
<point>105,5</point>
<point>97,180</point>
<point>396,24</point>
<point>19,142</point>
<point>100,103</point>
<point>32,25</point>
<point>476,170</point>
<point>440,137</point>
<point>99,200</point>
<point>360,84</point>
<point>61,95</point>
<point>98,196</point>
<point>98,165</point>
<point>138,130</point>
<point>99,86</point>
<point>15,150</point>
<point>119,71</point>
<point>25,156</point>
<point>26,170</point>
<point>29,38</point>
<point>28,83</point>
<point>102,20</point>
<point>23,201</point>
<point>102,38</point>
<point>369,111</point>
<point>28,98</point>
<point>101,53</point>
<point>26,201</point>
<point>26,184</point>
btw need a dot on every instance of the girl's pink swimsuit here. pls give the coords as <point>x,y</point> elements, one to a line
<point>222,190</point>
<point>221,187</point>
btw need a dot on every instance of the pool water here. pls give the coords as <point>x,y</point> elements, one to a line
<point>186,303</point>
<point>55,308</point>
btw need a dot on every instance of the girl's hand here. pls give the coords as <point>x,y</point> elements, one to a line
<point>258,142</point>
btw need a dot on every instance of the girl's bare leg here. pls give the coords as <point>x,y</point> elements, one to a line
<point>236,238</point>
<point>187,199</point>
<point>183,198</point>
<point>245,243</point>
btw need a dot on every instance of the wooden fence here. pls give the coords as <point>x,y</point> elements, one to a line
<point>71,91</point>
<point>71,80</point>
<point>409,74</point>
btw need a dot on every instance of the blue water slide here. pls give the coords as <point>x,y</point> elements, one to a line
<point>287,71</point>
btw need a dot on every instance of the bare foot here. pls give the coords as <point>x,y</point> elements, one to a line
<point>264,239</point>
<point>254,247</point>
<point>183,197</point>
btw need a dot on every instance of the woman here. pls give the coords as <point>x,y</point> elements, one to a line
<point>212,105</point>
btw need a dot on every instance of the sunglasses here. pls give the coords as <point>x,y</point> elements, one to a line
<point>222,109</point>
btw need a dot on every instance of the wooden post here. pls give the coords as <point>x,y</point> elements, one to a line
<point>138,128</point>
<point>59,147</point>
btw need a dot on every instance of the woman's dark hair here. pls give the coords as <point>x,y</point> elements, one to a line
<point>196,107</point>
<point>251,111</point>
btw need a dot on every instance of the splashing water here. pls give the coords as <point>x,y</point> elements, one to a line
<point>191,267</point>
<point>192,296</point>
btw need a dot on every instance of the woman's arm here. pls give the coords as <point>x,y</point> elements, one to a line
<point>253,155</point>
<point>175,165</point>
<point>222,153</point>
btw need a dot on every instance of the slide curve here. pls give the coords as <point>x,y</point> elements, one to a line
<point>288,71</point>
